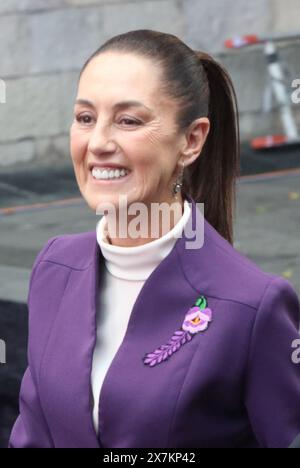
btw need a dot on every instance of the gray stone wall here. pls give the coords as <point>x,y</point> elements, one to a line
<point>44,43</point>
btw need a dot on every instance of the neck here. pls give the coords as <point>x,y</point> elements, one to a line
<point>144,227</point>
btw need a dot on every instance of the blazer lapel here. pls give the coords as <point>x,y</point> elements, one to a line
<point>68,357</point>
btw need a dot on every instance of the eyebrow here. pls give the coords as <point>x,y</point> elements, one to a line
<point>117,105</point>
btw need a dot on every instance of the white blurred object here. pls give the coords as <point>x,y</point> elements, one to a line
<point>276,88</point>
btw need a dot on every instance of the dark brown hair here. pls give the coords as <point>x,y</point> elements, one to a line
<point>201,87</point>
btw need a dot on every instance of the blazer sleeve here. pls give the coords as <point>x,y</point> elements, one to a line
<point>273,374</point>
<point>30,428</point>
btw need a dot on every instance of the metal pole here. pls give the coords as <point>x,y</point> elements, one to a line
<point>280,90</point>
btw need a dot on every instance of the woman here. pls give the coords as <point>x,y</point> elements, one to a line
<point>189,347</point>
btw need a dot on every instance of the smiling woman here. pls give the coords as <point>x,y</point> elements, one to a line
<point>136,341</point>
<point>138,133</point>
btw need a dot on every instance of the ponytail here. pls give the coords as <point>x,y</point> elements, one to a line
<point>212,176</point>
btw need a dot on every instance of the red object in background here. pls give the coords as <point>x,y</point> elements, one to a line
<point>241,41</point>
<point>268,141</point>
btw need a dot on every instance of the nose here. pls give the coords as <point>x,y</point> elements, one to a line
<point>100,140</point>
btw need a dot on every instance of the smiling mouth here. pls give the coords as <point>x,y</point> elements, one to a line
<point>109,174</point>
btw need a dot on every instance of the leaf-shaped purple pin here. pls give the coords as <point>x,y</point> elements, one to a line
<point>165,351</point>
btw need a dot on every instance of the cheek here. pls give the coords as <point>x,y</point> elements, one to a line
<point>154,138</point>
<point>148,148</point>
<point>160,141</point>
<point>78,143</point>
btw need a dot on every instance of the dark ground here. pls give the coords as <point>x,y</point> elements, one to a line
<point>28,185</point>
<point>13,330</point>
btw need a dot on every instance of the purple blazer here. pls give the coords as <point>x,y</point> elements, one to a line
<point>233,385</point>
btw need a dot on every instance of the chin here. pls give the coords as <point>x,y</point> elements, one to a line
<point>95,201</point>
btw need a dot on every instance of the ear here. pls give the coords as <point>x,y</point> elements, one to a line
<point>195,139</point>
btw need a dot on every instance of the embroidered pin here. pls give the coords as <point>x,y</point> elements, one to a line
<point>196,320</point>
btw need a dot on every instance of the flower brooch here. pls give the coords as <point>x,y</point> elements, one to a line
<point>196,320</point>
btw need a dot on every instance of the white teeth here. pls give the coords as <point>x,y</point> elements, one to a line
<point>108,173</point>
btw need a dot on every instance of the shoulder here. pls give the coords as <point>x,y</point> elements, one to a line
<point>74,251</point>
<point>50,279</point>
<point>226,274</point>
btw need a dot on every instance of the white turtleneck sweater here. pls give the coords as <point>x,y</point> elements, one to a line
<point>126,270</point>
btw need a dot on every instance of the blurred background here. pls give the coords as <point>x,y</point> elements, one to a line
<point>44,44</point>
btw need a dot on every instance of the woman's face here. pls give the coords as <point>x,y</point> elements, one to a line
<point>140,138</point>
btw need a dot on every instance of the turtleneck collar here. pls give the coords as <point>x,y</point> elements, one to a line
<point>137,263</point>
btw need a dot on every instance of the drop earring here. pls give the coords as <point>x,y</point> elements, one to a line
<point>177,186</point>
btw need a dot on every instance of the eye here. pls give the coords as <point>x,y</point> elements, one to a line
<point>130,121</point>
<point>82,118</point>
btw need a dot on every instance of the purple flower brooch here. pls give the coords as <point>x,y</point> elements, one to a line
<point>196,320</point>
